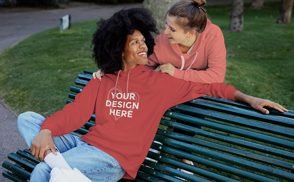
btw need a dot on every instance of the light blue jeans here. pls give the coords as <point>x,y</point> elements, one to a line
<point>91,161</point>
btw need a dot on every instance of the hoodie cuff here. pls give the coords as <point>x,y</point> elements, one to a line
<point>231,93</point>
<point>179,74</point>
<point>47,126</point>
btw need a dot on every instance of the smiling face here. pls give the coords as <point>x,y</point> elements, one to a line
<point>135,51</point>
<point>175,33</point>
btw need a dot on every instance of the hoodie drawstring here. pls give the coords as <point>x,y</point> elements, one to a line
<point>183,61</point>
<point>127,89</point>
<point>128,80</point>
<point>116,81</point>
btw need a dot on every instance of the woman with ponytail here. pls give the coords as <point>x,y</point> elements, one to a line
<point>191,47</point>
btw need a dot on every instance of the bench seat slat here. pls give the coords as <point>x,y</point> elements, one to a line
<point>158,174</point>
<point>228,139</point>
<point>17,170</point>
<point>230,129</point>
<point>237,120</point>
<point>227,149</point>
<point>188,167</point>
<point>29,156</point>
<point>24,161</point>
<point>210,163</point>
<point>173,172</point>
<point>226,158</point>
<point>13,177</point>
<point>147,177</point>
<point>283,121</point>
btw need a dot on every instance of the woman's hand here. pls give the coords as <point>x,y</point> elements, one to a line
<point>98,74</point>
<point>168,68</point>
<point>258,103</point>
<point>41,142</point>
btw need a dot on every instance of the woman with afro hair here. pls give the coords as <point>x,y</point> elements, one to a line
<point>128,103</point>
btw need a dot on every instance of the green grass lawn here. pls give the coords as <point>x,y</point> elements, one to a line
<point>36,73</point>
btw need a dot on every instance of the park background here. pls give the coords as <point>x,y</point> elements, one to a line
<point>37,72</point>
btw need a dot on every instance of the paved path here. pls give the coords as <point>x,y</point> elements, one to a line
<point>17,26</point>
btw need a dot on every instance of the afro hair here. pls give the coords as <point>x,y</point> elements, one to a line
<point>111,35</point>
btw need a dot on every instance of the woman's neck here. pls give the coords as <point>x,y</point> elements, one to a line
<point>188,44</point>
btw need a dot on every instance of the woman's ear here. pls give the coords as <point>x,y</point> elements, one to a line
<point>191,33</point>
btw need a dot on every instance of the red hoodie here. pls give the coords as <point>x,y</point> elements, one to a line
<point>127,118</point>
<point>206,63</point>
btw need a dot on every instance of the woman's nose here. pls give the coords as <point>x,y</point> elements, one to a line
<point>166,29</point>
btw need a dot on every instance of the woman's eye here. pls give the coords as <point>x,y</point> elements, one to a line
<point>172,30</point>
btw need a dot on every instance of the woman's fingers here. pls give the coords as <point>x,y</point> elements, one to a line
<point>94,75</point>
<point>97,74</point>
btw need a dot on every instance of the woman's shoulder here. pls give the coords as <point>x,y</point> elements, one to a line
<point>213,29</point>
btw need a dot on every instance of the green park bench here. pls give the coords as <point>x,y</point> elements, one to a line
<point>235,143</point>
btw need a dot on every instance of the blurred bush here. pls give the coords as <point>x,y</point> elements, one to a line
<point>110,1</point>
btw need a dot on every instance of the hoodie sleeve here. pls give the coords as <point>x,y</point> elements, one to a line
<point>74,115</point>
<point>178,91</point>
<point>216,67</point>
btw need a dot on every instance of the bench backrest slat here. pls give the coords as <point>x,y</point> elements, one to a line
<point>236,120</point>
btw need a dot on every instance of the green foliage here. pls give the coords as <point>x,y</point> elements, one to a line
<point>36,73</point>
<point>110,1</point>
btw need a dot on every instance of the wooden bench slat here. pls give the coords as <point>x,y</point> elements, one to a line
<point>226,158</point>
<point>90,71</point>
<point>147,177</point>
<point>219,147</point>
<point>158,174</point>
<point>13,177</point>
<point>81,82</point>
<point>28,156</point>
<point>24,161</point>
<point>210,163</point>
<point>228,139</point>
<point>236,120</point>
<point>230,129</point>
<point>75,89</point>
<point>241,104</point>
<point>194,169</point>
<point>173,172</point>
<point>17,170</point>
<point>249,113</point>
<point>85,76</point>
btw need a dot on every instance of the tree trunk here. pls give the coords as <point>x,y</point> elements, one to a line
<point>236,22</point>
<point>159,9</point>
<point>285,12</point>
<point>257,4</point>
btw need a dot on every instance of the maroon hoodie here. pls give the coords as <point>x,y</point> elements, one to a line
<point>128,108</point>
